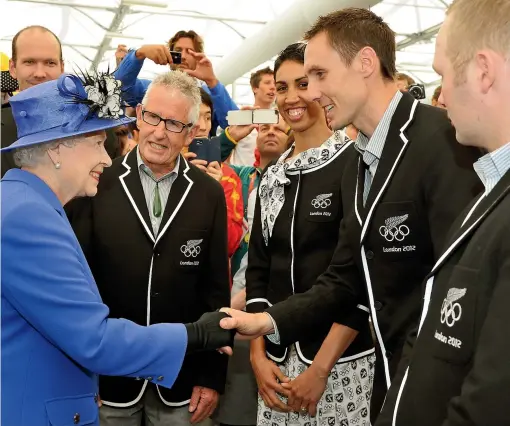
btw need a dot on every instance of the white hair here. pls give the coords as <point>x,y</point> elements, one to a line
<point>33,155</point>
<point>184,85</point>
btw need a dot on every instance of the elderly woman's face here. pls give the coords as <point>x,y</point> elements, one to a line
<point>83,164</point>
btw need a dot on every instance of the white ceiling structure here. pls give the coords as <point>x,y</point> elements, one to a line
<point>240,35</point>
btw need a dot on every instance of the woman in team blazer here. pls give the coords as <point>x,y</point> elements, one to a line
<point>294,234</point>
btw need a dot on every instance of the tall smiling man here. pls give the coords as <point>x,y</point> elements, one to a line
<point>407,185</point>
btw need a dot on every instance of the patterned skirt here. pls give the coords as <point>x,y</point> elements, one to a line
<point>345,402</point>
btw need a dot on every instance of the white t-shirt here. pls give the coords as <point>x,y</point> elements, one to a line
<point>244,152</point>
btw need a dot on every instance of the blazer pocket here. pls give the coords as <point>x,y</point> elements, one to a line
<point>321,205</point>
<point>398,232</point>
<point>191,249</point>
<point>77,410</point>
<point>453,317</point>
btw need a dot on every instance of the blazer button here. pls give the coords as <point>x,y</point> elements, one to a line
<point>149,379</point>
<point>389,354</point>
<point>76,418</point>
<point>160,378</point>
<point>370,254</point>
<point>138,378</point>
<point>291,214</point>
<point>377,305</point>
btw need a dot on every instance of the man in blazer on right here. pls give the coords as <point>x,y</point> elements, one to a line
<point>409,182</point>
<point>459,373</point>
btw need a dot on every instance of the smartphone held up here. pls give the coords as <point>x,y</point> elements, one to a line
<point>176,57</point>
<point>245,117</point>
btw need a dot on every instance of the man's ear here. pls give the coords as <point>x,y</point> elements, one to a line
<point>191,134</point>
<point>12,69</point>
<point>138,115</point>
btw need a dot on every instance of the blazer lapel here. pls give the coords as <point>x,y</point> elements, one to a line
<point>481,211</point>
<point>132,185</point>
<point>178,193</point>
<point>360,188</point>
<point>393,152</point>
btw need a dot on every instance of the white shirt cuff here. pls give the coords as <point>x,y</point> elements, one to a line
<point>275,336</point>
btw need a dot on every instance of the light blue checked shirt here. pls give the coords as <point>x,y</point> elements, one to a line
<point>492,167</point>
<point>149,186</point>
<point>371,149</point>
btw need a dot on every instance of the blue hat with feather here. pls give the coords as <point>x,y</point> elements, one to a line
<point>66,107</point>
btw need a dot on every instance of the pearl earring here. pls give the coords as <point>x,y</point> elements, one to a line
<point>57,165</point>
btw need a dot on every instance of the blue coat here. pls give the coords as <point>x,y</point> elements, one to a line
<point>56,334</point>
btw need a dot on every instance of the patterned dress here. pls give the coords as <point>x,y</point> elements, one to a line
<point>345,402</point>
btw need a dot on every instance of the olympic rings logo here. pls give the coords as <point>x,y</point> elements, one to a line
<point>191,249</point>
<point>321,201</point>
<point>450,312</point>
<point>321,204</point>
<point>397,233</point>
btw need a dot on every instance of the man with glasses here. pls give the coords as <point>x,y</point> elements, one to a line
<point>155,238</point>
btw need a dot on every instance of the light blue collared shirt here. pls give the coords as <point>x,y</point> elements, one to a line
<point>371,149</point>
<point>493,166</point>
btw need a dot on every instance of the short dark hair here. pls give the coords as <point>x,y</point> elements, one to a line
<point>350,30</point>
<point>256,77</point>
<point>198,42</point>
<point>33,27</point>
<point>206,99</point>
<point>402,76</point>
<point>294,52</point>
<point>437,93</point>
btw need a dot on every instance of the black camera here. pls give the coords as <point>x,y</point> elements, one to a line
<point>417,90</point>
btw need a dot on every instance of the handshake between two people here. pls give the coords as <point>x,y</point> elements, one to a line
<point>217,330</point>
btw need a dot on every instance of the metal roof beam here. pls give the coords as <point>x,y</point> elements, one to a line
<point>60,4</point>
<point>418,37</point>
<point>114,27</point>
<point>195,15</point>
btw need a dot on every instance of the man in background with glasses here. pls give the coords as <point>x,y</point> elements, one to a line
<point>155,238</point>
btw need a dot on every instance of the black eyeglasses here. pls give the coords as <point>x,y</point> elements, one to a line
<point>171,125</point>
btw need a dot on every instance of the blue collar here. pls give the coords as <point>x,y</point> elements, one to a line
<point>37,184</point>
<point>493,166</point>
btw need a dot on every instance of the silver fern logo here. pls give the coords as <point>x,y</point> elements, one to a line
<point>322,201</point>
<point>394,228</point>
<point>451,310</point>
<point>191,248</point>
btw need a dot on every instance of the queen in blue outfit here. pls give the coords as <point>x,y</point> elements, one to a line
<point>56,334</point>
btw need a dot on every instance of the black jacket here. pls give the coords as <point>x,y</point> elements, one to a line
<point>459,373</point>
<point>9,135</point>
<point>423,181</point>
<point>303,240</point>
<point>153,280</point>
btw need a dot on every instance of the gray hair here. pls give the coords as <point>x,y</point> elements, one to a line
<point>33,155</point>
<point>187,86</point>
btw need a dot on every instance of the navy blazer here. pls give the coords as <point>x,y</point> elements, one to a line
<point>56,334</point>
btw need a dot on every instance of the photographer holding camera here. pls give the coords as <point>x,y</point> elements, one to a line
<point>184,52</point>
<point>406,83</point>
